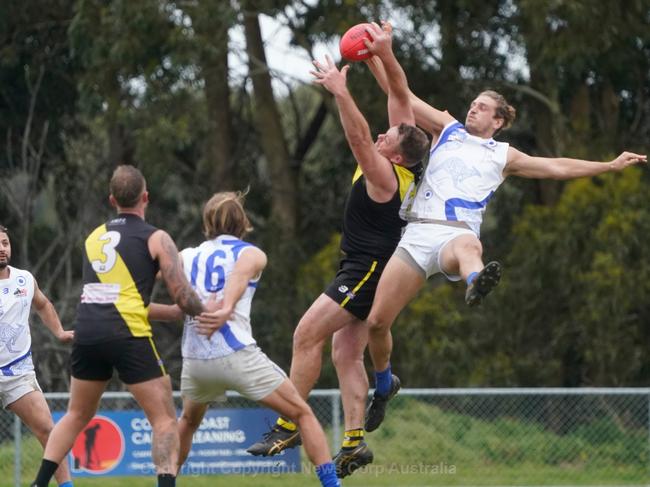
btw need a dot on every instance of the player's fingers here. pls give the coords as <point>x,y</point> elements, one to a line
<point>330,63</point>
<point>345,70</point>
<point>386,26</point>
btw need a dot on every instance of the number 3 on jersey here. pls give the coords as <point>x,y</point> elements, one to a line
<point>109,254</point>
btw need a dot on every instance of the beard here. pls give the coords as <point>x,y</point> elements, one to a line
<point>4,263</point>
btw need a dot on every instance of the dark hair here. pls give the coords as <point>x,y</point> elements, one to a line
<point>224,214</point>
<point>4,229</point>
<point>503,110</point>
<point>127,185</point>
<point>414,143</point>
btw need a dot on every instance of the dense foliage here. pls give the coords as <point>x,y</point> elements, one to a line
<point>86,85</point>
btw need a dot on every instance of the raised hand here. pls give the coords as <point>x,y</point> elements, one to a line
<point>382,40</point>
<point>329,76</point>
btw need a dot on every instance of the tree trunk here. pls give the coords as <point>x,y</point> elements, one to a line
<point>267,119</point>
<point>547,120</point>
<point>212,21</point>
<point>280,319</point>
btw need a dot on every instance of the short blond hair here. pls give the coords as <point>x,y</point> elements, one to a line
<point>224,214</point>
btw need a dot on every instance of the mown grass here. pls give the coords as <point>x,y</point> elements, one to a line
<point>422,445</point>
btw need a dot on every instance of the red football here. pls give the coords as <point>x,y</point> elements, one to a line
<point>351,46</point>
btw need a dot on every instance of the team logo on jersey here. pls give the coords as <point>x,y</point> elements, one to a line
<point>5,290</point>
<point>20,293</point>
<point>454,141</point>
<point>428,194</point>
<point>458,135</point>
<point>490,144</point>
<point>459,170</point>
<point>21,281</point>
<point>343,289</point>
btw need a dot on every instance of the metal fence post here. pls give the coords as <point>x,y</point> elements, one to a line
<point>336,419</point>
<point>17,450</point>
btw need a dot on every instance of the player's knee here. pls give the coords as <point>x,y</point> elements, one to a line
<point>164,423</point>
<point>471,246</point>
<point>377,325</point>
<point>80,417</point>
<point>303,340</point>
<point>343,357</point>
<point>42,432</point>
<point>192,422</point>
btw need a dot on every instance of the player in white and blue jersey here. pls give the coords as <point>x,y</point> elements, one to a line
<point>219,351</point>
<point>466,166</point>
<point>20,392</point>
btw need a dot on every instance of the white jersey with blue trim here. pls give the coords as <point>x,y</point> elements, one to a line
<point>207,267</point>
<point>16,294</point>
<point>463,173</point>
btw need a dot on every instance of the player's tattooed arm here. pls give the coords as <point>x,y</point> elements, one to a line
<point>164,249</point>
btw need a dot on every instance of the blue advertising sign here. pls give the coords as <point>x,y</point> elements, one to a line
<point>119,443</point>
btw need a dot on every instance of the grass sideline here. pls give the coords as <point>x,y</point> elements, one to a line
<point>450,449</point>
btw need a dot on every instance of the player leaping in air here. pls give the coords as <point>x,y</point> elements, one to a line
<point>371,230</point>
<point>466,166</point>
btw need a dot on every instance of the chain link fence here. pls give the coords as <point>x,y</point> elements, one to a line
<point>455,436</point>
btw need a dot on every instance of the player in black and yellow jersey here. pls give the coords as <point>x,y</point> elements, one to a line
<point>371,231</point>
<point>121,260</point>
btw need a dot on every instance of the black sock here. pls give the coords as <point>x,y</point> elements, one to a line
<point>45,473</point>
<point>166,480</point>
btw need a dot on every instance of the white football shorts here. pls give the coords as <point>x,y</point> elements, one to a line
<point>248,371</point>
<point>423,242</point>
<point>14,387</point>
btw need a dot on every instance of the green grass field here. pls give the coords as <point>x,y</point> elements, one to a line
<point>422,445</point>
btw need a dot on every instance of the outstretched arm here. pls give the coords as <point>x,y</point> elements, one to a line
<point>399,100</point>
<point>380,179</point>
<point>525,166</point>
<point>249,266</point>
<point>429,118</point>
<point>163,248</point>
<point>46,312</point>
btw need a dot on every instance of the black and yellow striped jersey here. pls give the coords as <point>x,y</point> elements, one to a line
<point>371,228</point>
<point>118,277</point>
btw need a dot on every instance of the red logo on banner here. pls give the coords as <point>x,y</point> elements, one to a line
<point>99,447</point>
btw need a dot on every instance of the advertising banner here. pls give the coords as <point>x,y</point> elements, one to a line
<point>119,443</point>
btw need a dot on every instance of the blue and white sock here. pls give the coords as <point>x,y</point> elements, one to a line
<point>383,381</point>
<point>327,475</point>
<point>471,277</point>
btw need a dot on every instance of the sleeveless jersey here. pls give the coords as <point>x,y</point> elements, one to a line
<point>118,276</point>
<point>16,294</point>
<point>207,267</point>
<point>372,228</point>
<point>463,173</point>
